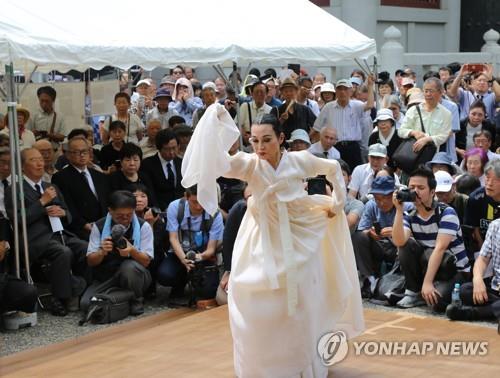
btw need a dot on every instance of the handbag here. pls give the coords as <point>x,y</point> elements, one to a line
<point>108,307</point>
<point>408,160</point>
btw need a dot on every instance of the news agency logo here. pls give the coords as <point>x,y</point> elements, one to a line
<point>333,347</point>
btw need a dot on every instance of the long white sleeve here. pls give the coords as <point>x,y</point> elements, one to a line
<point>206,157</point>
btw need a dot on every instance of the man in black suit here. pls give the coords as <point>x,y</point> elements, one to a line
<point>46,214</point>
<point>164,169</point>
<point>85,190</point>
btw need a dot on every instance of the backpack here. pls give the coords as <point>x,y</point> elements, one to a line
<point>108,307</point>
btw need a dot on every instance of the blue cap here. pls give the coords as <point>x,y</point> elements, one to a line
<point>442,158</point>
<point>383,185</point>
<point>163,92</point>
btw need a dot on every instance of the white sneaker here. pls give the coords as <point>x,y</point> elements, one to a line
<point>410,301</point>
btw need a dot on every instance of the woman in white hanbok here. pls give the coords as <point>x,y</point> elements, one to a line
<point>293,276</point>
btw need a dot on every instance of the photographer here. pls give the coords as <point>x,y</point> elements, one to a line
<point>120,255</point>
<point>430,245</point>
<point>190,229</point>
<point>372,242</point>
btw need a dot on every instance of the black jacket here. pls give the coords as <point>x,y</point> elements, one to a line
<point>82,203</point>
<point>461,136</point>
<point>302,118</point>
<point>164,192</point>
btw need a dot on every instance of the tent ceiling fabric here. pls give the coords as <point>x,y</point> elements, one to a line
<point>62,35</point>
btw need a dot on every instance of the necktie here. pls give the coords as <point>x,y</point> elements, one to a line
<point>84,174</point>
<point>170,173</point>
<point>325,154</point>
<point>38,189</point>
<point>5,183</point>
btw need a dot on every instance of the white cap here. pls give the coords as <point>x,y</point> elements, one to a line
<point>384,114</point>
<point>299,134</point>
<point>327,87</point>
<point>210,84</point>
<point>407,81</point>
<point>377,149</point>
<point>444,181</point>
<point>143,81</point>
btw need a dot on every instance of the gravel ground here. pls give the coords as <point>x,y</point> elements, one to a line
<point>51,329</point>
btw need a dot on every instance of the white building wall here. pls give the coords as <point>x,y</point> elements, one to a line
<point>424,30</point>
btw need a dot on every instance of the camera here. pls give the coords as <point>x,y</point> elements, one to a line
<point>118,236</point>
<point>155,211</point>
<point>316,185</point>
<point>406,195</point>
<point>383,77</point>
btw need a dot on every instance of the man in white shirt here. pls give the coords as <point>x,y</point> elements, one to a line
<point>324,148</point>
<point>251,112</point>
<point>346,116</point>
<point>363,175</point>
<point>46,123</point>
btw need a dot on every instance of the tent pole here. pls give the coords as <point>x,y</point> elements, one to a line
<point>375,73</point>
<point>235,87</point>
<point>16,175</point>
<point>12,120</point>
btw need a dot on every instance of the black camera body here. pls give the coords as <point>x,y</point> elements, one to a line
<point>406,195</point>
<point>118,236</point>
<point>383,77</point>
<point>155,211</point>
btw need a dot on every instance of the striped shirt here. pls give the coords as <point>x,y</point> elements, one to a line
<point>491,249</point>
<point>425,231</point>
<point>466,98</point>
<point>347,121</point>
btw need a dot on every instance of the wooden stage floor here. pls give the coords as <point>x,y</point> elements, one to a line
<point>182,343</point>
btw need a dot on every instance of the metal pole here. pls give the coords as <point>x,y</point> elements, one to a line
<point>375,73</point>
<point>12,119</point>
<point>16,175</point>
<point>235,87</point>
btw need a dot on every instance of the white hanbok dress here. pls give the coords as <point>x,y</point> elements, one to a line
<point>293,275</point>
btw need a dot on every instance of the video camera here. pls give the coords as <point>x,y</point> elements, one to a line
<point>406,195</point>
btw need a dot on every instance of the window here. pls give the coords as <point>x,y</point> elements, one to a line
<point>433,4</point>
<point>321,3</point>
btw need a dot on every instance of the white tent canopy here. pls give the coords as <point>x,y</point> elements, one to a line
<point>62,35</point>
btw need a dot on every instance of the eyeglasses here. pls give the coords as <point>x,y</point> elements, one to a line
<point>177,72</point>
<point>79,152</point>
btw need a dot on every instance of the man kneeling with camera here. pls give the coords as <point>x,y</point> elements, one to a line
<point>430,245</point>
<point>194,236</point>
<point>120,249</point>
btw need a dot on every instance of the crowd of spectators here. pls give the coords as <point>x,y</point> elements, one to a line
<point>436,225</point>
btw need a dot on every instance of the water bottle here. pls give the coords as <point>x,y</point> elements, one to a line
<point>455,296</point>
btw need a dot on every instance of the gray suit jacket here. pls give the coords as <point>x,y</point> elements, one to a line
<point>37,220</point>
